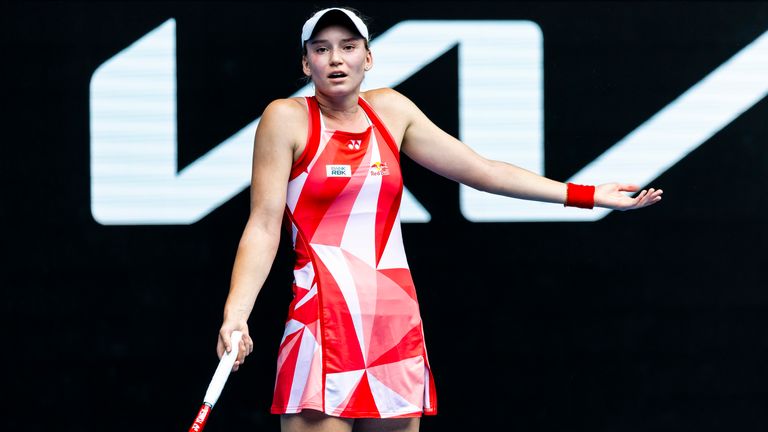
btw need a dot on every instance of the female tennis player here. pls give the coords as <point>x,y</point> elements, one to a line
<point>353,355</point>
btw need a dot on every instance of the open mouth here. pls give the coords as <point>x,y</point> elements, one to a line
<point>337,75</point>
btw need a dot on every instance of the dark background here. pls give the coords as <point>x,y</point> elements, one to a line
<point>648,320</point>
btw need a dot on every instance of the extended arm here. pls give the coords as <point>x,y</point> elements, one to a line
<point>438,151</point>
<point>272,160</point>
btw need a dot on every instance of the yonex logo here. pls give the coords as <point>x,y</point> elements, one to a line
<point>354,144</point>
<point>338,170</point>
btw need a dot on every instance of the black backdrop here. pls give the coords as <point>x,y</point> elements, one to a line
<point>649,320</point>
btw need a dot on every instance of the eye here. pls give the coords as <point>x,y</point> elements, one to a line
<point>349,47</point>
<point>321,50</point>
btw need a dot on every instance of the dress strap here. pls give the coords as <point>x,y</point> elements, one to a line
<point>379,125</point>
<point>313,137</point>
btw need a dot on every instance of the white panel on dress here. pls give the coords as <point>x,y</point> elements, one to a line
<point>338,386</point>
<point>360,231</point>
<point>388,402</point>
<point>291,327</point>
<point>304,276</point>
<point>303,365</point>
<point>394,252</point>
<point>285,352</point>
<point>324,138</point>
<point>294,191</point>
<point>307,297</point>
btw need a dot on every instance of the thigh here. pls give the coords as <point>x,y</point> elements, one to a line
<point>410,424</point>
<point>314,421</point>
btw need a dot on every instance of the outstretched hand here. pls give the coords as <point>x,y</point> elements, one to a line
<point>610,195</point>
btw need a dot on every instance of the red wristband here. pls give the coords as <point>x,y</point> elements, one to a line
<point>580,196</point>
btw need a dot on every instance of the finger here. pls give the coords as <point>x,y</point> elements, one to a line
<point>224,335</point>
<point>243,350</point>
<point>239,360</point>
<point>648,199</point>
<point>648,194</point>
<point>641,200</point>
<point>248,345</point>
<point>219,348</point>
<point>654,197</point>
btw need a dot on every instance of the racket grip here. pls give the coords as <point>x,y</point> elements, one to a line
<point>201,419</point>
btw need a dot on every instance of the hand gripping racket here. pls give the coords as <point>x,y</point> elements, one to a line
<point>217,383</point>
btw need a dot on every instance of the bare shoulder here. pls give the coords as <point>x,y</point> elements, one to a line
<point>284,121</point>
<point>285,110</point>
<point>396,110</point>
<point>386,99</point>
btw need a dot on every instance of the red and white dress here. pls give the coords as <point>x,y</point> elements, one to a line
<point>353,343</point>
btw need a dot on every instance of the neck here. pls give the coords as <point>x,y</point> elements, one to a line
<point>339,107</point>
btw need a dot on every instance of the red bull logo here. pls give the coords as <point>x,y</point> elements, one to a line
<point>379,169</point>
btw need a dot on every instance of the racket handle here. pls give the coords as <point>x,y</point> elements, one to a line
<point>222,371</point>
<point>217,383</point>
<point>202,417</point>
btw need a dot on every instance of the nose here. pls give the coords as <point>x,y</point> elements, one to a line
<point>335,57</point>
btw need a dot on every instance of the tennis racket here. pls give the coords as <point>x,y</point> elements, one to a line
<point>217,383</point>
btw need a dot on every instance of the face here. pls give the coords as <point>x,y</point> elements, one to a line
<point>336,60</point>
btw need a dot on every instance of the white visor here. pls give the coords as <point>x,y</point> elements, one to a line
<point>309,26</point>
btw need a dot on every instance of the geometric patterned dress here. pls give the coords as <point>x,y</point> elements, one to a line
<point>354,343</point>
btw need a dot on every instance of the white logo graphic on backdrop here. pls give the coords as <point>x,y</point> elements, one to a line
<point>135,180</point>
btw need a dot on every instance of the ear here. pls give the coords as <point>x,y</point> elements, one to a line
<point>368,60</point>
<point>305,66</point>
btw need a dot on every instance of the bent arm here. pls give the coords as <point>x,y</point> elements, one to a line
<point>272,161</point>
<point>431,147</point>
